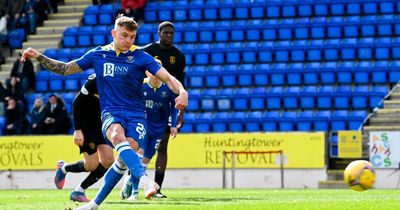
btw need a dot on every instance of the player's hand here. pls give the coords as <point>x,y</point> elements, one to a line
<point>29,53</point>
<point>181,101</point>
<point>78,138</point>
<point>174,132</point>
<point>179,124</point>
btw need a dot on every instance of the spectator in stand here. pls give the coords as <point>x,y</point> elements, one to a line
<point>37,116</point>
<point>41,9</point>
<point>29,18</point>
<point>14,8</point>
<point>53,6</point>
<point>14,90</point>
<point>3,93</point>
<point>96,2</point>
<point>3,27</point>
<point>24,73</point>
<point>16,121</point>
<point>133,8</point>
<point>57,120</point>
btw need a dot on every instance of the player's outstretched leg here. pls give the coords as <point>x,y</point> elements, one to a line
<point>78,194</point>
<point>126,187</point>
<point>59,179</point>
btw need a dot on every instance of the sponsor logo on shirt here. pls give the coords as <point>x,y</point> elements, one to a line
<point>110,69</point>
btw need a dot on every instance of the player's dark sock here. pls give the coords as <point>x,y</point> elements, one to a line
<point>159,178</point>
<point>93,177</point>
<point>76,167</point>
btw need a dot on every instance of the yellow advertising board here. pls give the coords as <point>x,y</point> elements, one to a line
<point>349,144</point>
<point>300,150</point>
<point>36,152</point>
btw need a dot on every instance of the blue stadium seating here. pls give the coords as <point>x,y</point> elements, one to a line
<point>356,119</point>
<point>308,97</point>
<point>225,97</point>
<point>304,121</point>
<point>207,100</point>
<point>274,95</point>
<point>291,98</point>
<point>339,120</point>
<point>252,122</point>
<point>235,123</point>
<point>322,120</point>
<point>258,98</point>
<point>203,122</point>
<point>324,98</point>
<point>342,97</point>
<point>360,97</point>
<point>241,99</point>
<point>220,122</point>
<point>287,121</point>
<point>270,121</point>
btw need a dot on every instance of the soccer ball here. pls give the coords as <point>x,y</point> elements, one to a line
<point>359,175</point>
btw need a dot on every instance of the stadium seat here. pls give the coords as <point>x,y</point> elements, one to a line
<point>201,56</point>
<point>277,74</point>
<point>249,53</point>
<point>213,78</point>
<point>370,8</point>
<point>321,9</point>
<point>196,76</point>
<point>218,53</point>
<point>360,97</point>
<point>71,82</point>
<point>328,74</point>
<point>220,122</point>
<point>257,99</point>
<point>226,10</point>
<point>274,98</point>
<point>245,75</point>
<point>380,72</point>
<point>235,123</point>
<point>242,9</point>
<point>42,78</point>
<point>386,7</point>
<point>394,73</point>
<point>203,122</point>
<point>298,51</point>
<point>164,11</point>
<point>339,120</point>
<point>211,9</point>
<point>225,98</point>
<point>322,120</point>
<point>287,122</point>
<point>229,76</point>
<point>310,76</point>
<point>273,11</point>
<point>304,121</point>
<point>291,98</point>
<point>252,122</point>
<point>377,95</point>
<point>301,31</point>
<point>69,37</point>
<point>261,73</point>
<point>289,11</point>
<point>348,49</point>
<point>324,97</point>
<point>269,30</point>
<point>342,97</point>
<point>337,9</point>
<point>193,103</point>
<point>233,54</point>
<point>222,31</point>
<point>56,82</point>
<point>206,31</point>
<point>190,121</point>
<point>345,73</point>
<point>90,15</point>
<point>314,52</point>
<point>257,10</point>
<point>308,97</point>
<point>365,46</point>
<point>207,100</point>
<point>356,119</point>
<point>331,49</point>
<point>99,35</point>
<point>353,9</point>
<point>150,11</point>
<point>282,51</point>
<point>241,99</point>
<point>84,38</point>
<point>265,52</point>
<point>190,33</point>
<point>294,74</point>
<point>269,121</point>
<point>180,10</point>
<point>196,10</point>
<point>362,72</point>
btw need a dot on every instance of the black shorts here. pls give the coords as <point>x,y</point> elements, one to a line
<point>93,138</point>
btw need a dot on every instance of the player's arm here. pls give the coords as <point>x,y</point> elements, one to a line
<point>78,107</point>
<point>55,66</point>
<point>182,100</point>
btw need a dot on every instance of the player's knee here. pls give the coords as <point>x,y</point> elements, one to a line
<point>116,138</point>
<point>91,166</point>
<point>107,162</point>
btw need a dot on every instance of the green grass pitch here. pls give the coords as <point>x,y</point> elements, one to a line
<point>196,199</point>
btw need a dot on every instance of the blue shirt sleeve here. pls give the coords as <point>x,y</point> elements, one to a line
<point>173,110</point>
<point>150,63</point>
<point>85,62</point>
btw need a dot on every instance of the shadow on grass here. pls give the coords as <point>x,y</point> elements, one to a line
<point>186,201</point>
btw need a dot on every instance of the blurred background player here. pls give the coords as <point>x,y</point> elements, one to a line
<point>160,107</point>
<point>174,61</point>
<point>98,155</point>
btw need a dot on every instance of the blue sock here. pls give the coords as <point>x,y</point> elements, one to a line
<point>111,178</point>
<point>130,159</point>
<point>135,185</point>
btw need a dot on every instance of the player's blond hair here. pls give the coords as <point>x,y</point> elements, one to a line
<point>125,22</point>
